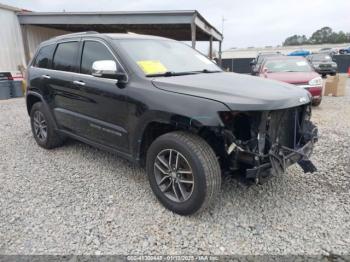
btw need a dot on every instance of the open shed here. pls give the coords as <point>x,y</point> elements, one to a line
<point>179,25</point>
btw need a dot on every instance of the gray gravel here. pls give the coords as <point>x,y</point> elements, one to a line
<point>77,199</point>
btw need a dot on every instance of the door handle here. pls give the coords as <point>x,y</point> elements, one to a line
<point>46,76</point>
<point>80,83</point>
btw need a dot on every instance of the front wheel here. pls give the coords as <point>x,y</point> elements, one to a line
<point>183,172</point>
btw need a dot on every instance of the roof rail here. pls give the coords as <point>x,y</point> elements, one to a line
<point>75,34</point>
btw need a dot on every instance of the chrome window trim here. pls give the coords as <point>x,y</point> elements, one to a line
<point>77,74</point>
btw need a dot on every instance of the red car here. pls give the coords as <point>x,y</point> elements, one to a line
<point>294,70</point>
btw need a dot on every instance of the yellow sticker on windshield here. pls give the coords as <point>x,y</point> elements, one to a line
<point>152,67</point>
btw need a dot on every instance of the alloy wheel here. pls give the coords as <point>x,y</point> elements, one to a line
<point>174,175</point>
<point>40,126</point>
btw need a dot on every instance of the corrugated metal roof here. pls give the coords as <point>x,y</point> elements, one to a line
<point>174,24</point>
<point>12,8</point>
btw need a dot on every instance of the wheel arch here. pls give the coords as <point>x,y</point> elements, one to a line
<point>31,99</point>
<point>34,97</point>
<point>150,130</point>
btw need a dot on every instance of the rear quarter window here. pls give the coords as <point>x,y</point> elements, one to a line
<point>44,57</point>
<point>65,58</point>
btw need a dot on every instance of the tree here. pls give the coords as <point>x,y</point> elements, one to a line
<point>325,35</point>
<point>341,37</point>
<point>296,40</point>
<point>322,35</point>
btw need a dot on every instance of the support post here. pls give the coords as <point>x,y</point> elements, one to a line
<point>193,34</point>
<point>211,47</point>
<point>25,42</point>
<point>220,60</point>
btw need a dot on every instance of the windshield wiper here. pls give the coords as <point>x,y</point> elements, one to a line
<point>207,71</point>
<point>171,73</point>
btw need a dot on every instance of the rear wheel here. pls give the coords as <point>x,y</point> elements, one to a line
<point>183,172</point>
<point>43,127</point>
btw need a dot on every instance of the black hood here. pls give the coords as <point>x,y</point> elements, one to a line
<point>238,92</point>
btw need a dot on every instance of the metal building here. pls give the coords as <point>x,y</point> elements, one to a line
<point>24,30</point>
<point>11,43</point>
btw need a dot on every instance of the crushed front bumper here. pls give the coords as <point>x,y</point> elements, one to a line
<point>268,142</point>
<point>281,157</point>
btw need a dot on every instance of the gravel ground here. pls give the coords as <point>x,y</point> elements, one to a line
<point>79,200</point>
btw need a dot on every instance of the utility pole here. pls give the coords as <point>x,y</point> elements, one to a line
<point>220,43</point>
<point>222,25</point>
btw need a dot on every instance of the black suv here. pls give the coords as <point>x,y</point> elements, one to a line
<point>163,105</point>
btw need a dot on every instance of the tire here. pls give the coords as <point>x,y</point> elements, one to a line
<point>52,139</point>
<point>333,74</point>
<point>193,154</point>
<point>316,103</point>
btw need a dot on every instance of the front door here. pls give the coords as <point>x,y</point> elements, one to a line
<point>99,110</point>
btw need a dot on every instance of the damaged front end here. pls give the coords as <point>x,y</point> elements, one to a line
<point>267,142</point>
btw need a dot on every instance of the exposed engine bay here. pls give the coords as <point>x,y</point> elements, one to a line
<point>267,142</point>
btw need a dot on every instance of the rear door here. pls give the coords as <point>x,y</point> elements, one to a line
<point>40,72</point>
<point>64,65</point>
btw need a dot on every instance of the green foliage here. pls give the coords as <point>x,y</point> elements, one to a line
<point>325,35</point>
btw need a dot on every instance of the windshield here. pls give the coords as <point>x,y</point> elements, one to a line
<point>157,57</point>
<point>261,57</point>
<point>287,66</point>
<point>321,58</point>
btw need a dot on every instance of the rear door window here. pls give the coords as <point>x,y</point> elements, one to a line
<point>66,57</point>
<point>44,57</point>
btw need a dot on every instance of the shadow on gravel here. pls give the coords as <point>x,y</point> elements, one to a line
<point>235,190</point>
<point>235,179</point>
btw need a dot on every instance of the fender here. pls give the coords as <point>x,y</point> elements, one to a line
<point>47,107</point>
<point>179,122</point>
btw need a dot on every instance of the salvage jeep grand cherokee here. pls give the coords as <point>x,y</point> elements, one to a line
<point>163,105</point>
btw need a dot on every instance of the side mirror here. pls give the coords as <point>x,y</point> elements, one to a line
<point>252,63</point>
<point>107,69</point>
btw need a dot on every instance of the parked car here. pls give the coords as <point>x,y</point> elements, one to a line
<point>328,50</point>
<point>163,105</point>
<point>256,62</point>
<point>323,64</point>
<point>344,51</point>
<point>296,71</point>
<point>300,52</point>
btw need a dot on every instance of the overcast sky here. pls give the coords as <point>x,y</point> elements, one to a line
<point>248,23</point>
